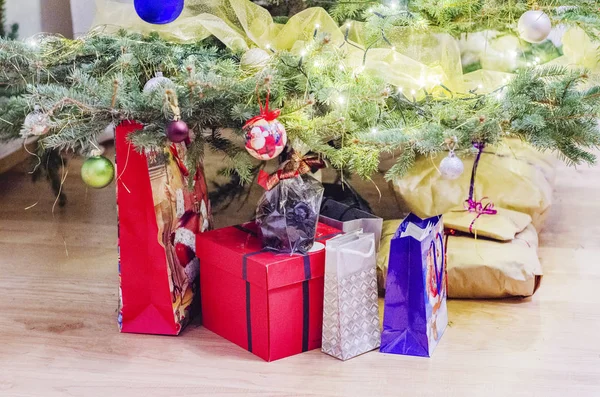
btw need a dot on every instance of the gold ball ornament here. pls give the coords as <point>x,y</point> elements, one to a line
<point>534,26</point>
<point>254,60</point>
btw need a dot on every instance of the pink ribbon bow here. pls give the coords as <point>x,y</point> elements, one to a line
<point>479,208</point>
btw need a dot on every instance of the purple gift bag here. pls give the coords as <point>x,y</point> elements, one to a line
<point>415,314</point>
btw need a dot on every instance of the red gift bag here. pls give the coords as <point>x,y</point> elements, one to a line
<point>158,221</point>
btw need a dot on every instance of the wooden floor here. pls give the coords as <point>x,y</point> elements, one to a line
<point>58,333</point>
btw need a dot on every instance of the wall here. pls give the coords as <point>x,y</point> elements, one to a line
<point>83,14</point>
<point>35,16</point>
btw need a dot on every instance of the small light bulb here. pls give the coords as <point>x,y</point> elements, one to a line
<point>400,89</point>
<point>268,46</point>
<point>528,64</point>
<point>374,131</point>
<point>479,86</point>
<point>317,26</point>
<point>303,53</point>
<point>341,100</point>
<point>537,59</point>
<point>413,92</point>
<point>341,66</point>
<point>393,48</point>
<point>32,42</point>
<point>317,64</point>
<point>499,95</point>
<point>348,25</point>
<point>394,5</point>
<point>370,10</point>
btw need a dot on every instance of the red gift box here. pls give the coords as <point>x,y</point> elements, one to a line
<point>268,303</point>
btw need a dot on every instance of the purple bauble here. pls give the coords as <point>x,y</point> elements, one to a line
<point>178,131</point>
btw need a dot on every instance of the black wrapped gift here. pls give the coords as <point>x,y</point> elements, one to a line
<point>348,219</point>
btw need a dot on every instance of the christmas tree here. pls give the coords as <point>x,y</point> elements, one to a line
<point>354,82</point>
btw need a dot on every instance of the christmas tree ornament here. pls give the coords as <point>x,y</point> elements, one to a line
<point>254,60</point>
<point>97,172</point>
<point>158,12</point>
<point>265,135</point>
<point>35,124</point>
<point>177,129</point>
<point>534,26</point>
<point>451,167</point>
<point>156,82</point>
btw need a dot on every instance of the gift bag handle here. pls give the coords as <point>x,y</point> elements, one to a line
<point>439,275</point>
<point>362,254</point>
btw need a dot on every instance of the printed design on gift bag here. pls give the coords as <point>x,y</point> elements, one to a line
<point>435,286</point>
<point>359,318</point>
<point>180,214</point>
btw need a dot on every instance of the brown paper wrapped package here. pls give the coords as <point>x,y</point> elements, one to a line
<point>480,268</point>
<point>512,174</point>
<point>483,268</point>
<point>502,226</point>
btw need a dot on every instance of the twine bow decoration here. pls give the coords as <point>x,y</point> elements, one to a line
<point>289,169</point>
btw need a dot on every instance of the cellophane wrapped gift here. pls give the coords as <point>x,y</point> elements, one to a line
<point>159,217</point>
<point>415,314</point>
<point>350,306</point>
<point>287,214</point>
<point>512,174</point>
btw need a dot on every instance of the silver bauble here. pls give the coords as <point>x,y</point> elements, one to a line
<point>156,82</point>
<point>254,60</point>
<point>36,123</point>
<point>534,26</point>
<point>451,167</point>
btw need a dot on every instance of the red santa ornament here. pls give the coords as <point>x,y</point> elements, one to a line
<point>265,135</point>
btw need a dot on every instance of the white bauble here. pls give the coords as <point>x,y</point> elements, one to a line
<point>156,82</point>
<point>534,26</point>
<point>36,123</point>
<point>451,167</point>
<point>254,59</point>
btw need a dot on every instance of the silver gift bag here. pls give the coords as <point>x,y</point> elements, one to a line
<point>350,309</point>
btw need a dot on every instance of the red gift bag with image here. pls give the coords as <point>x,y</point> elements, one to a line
<point>159,217</point>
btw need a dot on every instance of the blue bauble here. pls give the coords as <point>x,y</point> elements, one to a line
<point>158,12</point>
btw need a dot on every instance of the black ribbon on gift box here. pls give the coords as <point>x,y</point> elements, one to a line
<point>305,292</point>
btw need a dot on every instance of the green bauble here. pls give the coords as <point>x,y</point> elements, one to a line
<point>97,172</point>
